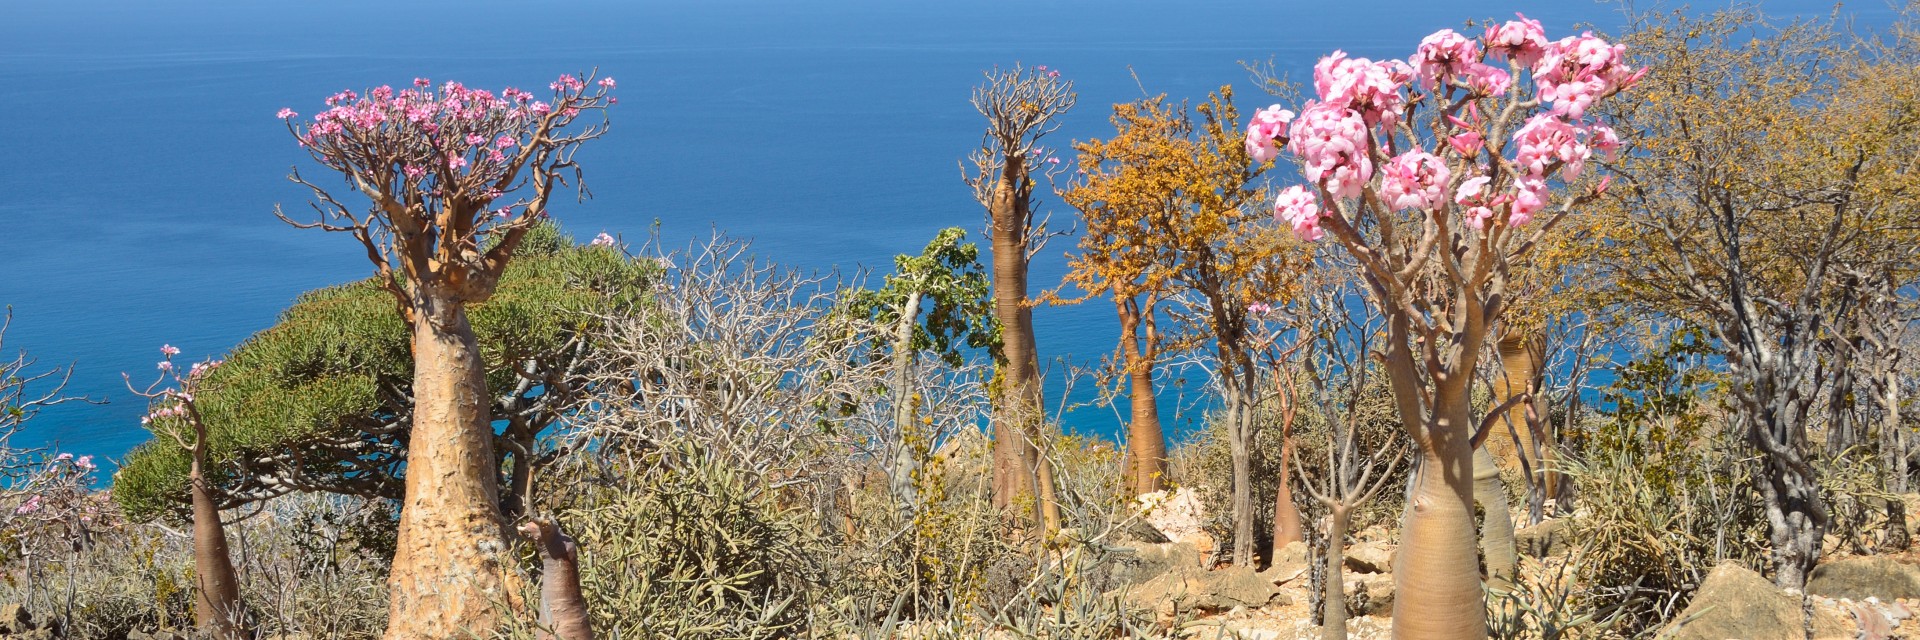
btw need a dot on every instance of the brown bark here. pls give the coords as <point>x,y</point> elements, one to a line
<point>563,609</point>
<point>1146,443</point>
<point>1333,601</point>
<point>1017,462</point>
<point>1437,592</point>
<point>1497,547</point>
<point>1286,515</point>
<point>216,606</point>
<point>1513,443</point>
<point>451,574</point>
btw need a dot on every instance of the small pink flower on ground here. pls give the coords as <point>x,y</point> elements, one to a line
<point>1300,209</point>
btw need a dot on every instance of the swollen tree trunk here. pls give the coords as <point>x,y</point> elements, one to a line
<point>1437,593</point>
<point>1146,443</point>
<point>451,573</point>
<point>216,607</point>
<point>1334,602</point>
<point>563,609</point>
<point>1513,443</point>
<point>1497,546</point>
<point>1017,463</point>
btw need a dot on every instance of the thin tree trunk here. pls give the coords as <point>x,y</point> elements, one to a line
<point>1334,602</point>
<point>1437,593</point>
<point>451,576</point>
<point>216,607</point>
<point>1497,546</point>
<point>1286,515</point>
<point>563,608</point>
<point>1240,446</point>
<point>1146,443</point>
<point>905,460</point>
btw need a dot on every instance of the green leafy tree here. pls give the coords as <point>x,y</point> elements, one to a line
<point>321,400</point>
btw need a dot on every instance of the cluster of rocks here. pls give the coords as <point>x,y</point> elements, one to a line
<point>1857,598</point>
<point>16,622</point>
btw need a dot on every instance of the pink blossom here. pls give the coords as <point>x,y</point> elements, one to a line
<point>602,240</point>
<point>1332,139</point>
<point>1444,54</point>
<point>1603,138</point>
<point>422,82</point>
<point>541,108</point>
<point>456,162</point>
<point>505,142</point>
<point>1577,70</point>
<point>84,463</point>
<point>383,93</point>
<point>165,365</point>
<point>476,139</point>
<point>496,157</point>
<point>63,457</point>
<point>1530,199</point>
<point>570,112</point>
<point>607,82</point>
<point>1546,139</point>
<point>1467,144</point>
<point>1414,180</point>
<point>1523,40</point>
<point>1371,88</point>
<point>169,350</point>
<point>285,114</point>
<point>1053,74</point>
<point>1266,133</point>
<point>1472,195</point>
<point>1053,161</point>
<point>1259,308</point>
<point>31,505</point>
<point>414,170</point>
<point>1487,80</point>
<point>566,83</point>
<point>1299,208</point>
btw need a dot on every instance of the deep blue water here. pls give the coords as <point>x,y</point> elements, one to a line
<point>140,160</point>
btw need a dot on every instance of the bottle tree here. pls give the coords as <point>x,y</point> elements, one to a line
<point>174,414</point>
<point>1021,106</point>
<point>1434,174</point>
<point>449,181</point>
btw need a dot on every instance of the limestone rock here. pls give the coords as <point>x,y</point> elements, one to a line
<point>1179,515</point>
<point>1735,602</point>
<point>1139,562</point>
<point>1370,557</point>
<point>1194,590</point>
<point>1862,577</point>
<point>1544,540</point>
<point>1372,595</point>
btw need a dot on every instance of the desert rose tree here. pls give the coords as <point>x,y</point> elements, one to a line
<point>1435,173</point>
<point>449,181</point>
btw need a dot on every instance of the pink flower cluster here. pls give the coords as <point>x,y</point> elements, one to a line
<point>1522,41</point>
<point>1300,209</point>
<point>1479,203</point>
<point>602,240</point>
<point>174,411</point>
<point>1333,141</point>
<point>457,129</point>
<point>1577,70</point>
<point>1371,88</point>
<point>1267,133</point>
<point>1415,180</point>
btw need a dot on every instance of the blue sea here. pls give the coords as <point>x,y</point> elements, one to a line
<point>140,160</point>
